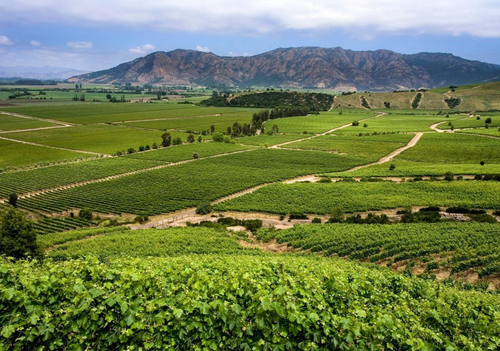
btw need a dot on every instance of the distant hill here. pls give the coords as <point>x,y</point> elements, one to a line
<point>46,72</point>
<point>473,97</point>
<point>334,68</point>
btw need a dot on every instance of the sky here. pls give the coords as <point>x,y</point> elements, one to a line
<point>92,35</point>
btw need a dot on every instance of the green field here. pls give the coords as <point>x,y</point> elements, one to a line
<point>394,122</point>
<point>186,185</point>
<point>90,113</point>
<point>21,155</point>
<point>8,122</point>
<point>136,250</point>
<point>367,148</point>
<point>438,153</point>
<point>100,138</point>
<point>321,198</point>
<point>318,123</point>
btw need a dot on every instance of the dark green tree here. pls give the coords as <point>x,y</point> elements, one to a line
<point>17,236</point>
<point>190,138</point>
<point>13,199</point>
<point>166,139</point>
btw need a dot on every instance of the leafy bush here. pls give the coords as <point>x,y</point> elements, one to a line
<point>17,236</point>
<point>204,208</point>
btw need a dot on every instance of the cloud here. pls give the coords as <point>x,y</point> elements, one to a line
<point>5,40</point>
<point>80,44</point>
<point>142,49</point>
<point>232,53</point>
<point>203,48</point>
<point>259,17</point>
<point>35,43</point>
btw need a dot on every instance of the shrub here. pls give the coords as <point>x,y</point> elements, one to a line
<point>204,208</point>
<point>141,218</point>
<point>298,216</point>
<point>195,155</point>
<point>13,199</point>
<point>316,220</point>
<point>252,224</point>
<point>218,137</point>
<point>86,213</point>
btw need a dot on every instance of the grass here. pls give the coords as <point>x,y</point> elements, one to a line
<point>269,140</point>
<point>473,122</point>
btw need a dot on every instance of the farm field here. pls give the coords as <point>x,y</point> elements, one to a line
<point>490,131</point>
<point>187,185</point>
<point>318,123</point>
<point>210,244</point>
<point>43,178</point>
<point>323,198</point>
<point>31,155</point>
<point>474,122</point>
<point>438,153</point>
<point>8,123</point>
<point>432,248</point>
<point>91,113</point>
<point>368,148</point>
<point>106,139</point>
<point>395,122</point>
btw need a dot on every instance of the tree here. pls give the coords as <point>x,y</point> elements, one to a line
<point>204,208</point>
<point>275,129</point>
<point>13,199</point>
<point>487,120</point>
<point>218,137</point>
<point>167,139</point>
<point>212,129</point>
<point>177,141</point>
<point>392,167</point>
<point>17,236</point>
<point>200,139</point>
<point>86,213</point>
<point>448,176</point>
<point>355,123</point>
<point>228,131</point>
<point>195,155</point>
<point>108,96</point>
<point>190,138</point>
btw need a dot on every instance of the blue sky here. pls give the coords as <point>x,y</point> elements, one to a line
<point>94,35</point>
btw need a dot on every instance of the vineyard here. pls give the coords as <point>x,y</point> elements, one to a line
<point>235,301</point>
<point>186,185</point>
<point>153,243</point>
<point>341,229</point>
<point>448,248</point>
<point>322,198</point>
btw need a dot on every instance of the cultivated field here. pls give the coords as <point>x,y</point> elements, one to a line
<point>197,227</point>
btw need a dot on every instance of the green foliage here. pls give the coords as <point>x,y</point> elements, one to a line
<point>13,199</point>
<point>231,302</point>
<point>141,219</point>
<point>218,137</point>
<point>166,139</point>
<point>364,102</point>
<point>53,225</point>
<point>154,242</point>
<point>17,236</point>
<point>452,102</point>
<point>86,213</point>
<point>313,101</point>
<point>204,208</point>
<point>416,101</point>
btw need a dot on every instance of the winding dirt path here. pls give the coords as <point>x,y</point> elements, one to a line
<point>393,154</point>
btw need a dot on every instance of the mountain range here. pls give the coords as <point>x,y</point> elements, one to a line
<point>334,68</point>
